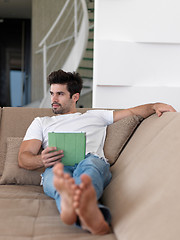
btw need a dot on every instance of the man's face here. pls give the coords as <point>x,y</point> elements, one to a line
<point>60,99</point>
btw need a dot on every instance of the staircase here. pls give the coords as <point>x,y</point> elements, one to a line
<point>85,68</point>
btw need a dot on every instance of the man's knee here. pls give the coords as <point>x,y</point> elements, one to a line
<point>95,165</point>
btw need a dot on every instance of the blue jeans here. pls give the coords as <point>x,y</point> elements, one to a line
<point>97,168</point>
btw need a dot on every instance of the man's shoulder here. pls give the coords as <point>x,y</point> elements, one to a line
<point>98,111</point>
<point>95,110</point>
<point>100,114</point>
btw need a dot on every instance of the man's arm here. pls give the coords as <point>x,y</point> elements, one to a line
<point>30,158</point>
<point>144,111</point>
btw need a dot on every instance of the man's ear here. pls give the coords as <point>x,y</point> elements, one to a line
<point>75,97</point>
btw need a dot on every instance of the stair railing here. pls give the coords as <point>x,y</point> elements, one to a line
<point>80,31</point>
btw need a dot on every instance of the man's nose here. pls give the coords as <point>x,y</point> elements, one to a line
<point>54,98</point>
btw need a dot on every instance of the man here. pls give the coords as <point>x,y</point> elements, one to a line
<point>76,189</point>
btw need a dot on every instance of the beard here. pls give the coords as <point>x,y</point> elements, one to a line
<point>56,111</point>
<point>60,109</point>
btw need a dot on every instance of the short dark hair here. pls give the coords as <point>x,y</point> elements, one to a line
<point>72,80</point>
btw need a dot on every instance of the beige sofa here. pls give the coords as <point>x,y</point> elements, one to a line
<point>144,194</point>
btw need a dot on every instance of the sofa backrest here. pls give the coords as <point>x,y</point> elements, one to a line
<point>144,192</point>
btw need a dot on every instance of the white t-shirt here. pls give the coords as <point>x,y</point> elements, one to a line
<point>93,122</point>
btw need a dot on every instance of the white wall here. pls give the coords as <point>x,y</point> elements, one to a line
<point>136,53</point>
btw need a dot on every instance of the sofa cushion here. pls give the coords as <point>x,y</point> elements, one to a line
<point>27,213</point>
<point>12,173</point>
<point>118,135</point>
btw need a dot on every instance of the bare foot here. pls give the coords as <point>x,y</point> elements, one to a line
<point>65,185</point>
<point>85,204</point>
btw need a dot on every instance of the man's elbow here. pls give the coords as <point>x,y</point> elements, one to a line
<point>20,161</point>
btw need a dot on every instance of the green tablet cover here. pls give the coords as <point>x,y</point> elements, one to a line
<point>73,145</point>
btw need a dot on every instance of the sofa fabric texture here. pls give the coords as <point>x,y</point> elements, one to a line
<point>143,195</point>
<point>12,173</point>
<point>145,184</point>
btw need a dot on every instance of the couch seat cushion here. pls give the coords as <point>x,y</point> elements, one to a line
<point>27,213</point>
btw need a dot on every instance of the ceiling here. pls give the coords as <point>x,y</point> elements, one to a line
<point>15,9</point>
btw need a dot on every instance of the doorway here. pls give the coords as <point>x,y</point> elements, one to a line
<point>15,59</point>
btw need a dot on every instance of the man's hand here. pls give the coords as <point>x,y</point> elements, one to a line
<point>160,108</point>
<point>50,156</point>
<point>30,157</point>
